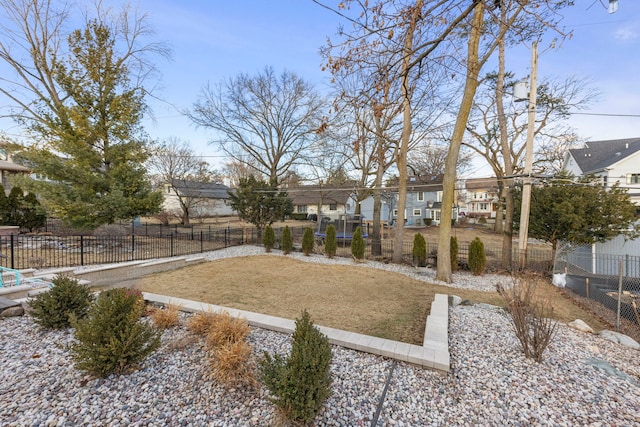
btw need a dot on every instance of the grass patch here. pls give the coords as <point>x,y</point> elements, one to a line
<point>368,301</point>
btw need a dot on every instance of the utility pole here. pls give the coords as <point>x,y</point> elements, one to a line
<point>528,166</point>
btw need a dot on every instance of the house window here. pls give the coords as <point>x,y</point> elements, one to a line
<point>395,212</point>
<point>333,207</point>
<point>421,196</point>
<point>633,178</point>
<point>417,212</point>
<point>483,206</point>
<point>302,208</point>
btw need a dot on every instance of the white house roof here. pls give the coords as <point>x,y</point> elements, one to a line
<point>598,155</point>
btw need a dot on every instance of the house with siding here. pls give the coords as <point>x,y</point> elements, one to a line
<point>322,200</point>
<point>205,199</point>
<point>480,197</point>
<point>9,170</point>
<point>613,161</point>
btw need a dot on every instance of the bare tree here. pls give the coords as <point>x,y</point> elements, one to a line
<point>175,165</point>
<point>429,158</point>
<point>236,171</point>
<point>263,121</point>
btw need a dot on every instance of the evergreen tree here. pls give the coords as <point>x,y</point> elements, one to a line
<point>330,241</point>
<point>419,250</point>
<point>307,241</point>
<point>453,248</point>
<point>286,243</point>
<point>269,238</point>
<point>260,203</point>
<point>357,244</point>
<point>477,257</point>
<point>94,147</point>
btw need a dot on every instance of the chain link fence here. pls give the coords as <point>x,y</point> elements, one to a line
<point>608,283</point>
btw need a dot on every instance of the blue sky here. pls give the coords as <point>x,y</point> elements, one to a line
<point>212,40</point>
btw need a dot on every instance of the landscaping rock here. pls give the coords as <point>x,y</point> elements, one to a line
<point>12,311</point>
<point>621,339</point>
<point>454,300</point>
<point>580,325</point>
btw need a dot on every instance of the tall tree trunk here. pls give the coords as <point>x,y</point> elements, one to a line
<point>376,235</point>
<point>448,183</point>
<point>401,158</point>
<point>507,155</point>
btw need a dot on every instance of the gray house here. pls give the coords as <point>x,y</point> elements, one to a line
<point>204,199</point>
<point>424,200</point>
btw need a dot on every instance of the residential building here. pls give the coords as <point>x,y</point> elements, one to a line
<point>322,200</point>
<point>613,161</point>
<point>205,199</point>
<point>8,170</point>
<point>480,197</point>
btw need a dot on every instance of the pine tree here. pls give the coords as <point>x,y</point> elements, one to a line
<point>453,248</point>
<point>286,243</point>
<point>357,244</point>
<point>419,250</point>
<point>477,257</point>
<point>307,241</point>
<point>268,238</point>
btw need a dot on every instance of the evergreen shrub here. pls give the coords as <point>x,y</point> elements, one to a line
<point>419,250</point>
<point>113,338</point>
<point>286,243</point>
<point>330,242</point>
<point>300,384</point>
<point>67,297</point>
<point>357,244</point>
<point>477,257</point>
<point>453,250</point>
<point>307,241</point>
<point>268,238</point>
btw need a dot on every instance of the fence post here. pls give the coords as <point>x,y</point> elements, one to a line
<point>81,249</point>
<point>171,245</point>
<point>12,258</point>
<point>619,295</point>
<point>225,237</point>
<point>201,244</point>
<point>133,246</point>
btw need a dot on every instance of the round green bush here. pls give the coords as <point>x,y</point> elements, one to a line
<point>66,297</point>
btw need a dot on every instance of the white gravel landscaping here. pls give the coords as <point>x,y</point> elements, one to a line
<point>584,380</point>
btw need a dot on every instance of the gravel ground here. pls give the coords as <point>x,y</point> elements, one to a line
<point>490,382</point>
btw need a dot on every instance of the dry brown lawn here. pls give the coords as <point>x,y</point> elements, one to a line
<point>369,301</point>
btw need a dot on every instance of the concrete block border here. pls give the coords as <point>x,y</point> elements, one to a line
<point>433,354</point>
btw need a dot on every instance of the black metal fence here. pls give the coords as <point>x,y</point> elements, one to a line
<point>141,241</point>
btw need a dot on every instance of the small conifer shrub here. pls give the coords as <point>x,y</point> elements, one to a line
<point>477,257</point>
<point>330,242</point>
<point>286,243</point>
<point>113,338</point>
<point>301,383</point>
<point>419,250</point>
<point>453,250</point>
<point>307,241</point>
<point>67,297</point>
<point>268,238</point>
<point>357,244</point>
